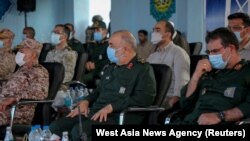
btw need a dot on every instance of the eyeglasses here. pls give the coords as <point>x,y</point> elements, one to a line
<point>236,28</point>
<point>214,51</point>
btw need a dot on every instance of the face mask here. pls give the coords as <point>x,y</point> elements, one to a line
<point>1,44</point>
<point>156,37</point>
<point>217,61</point>
<point>24,37</point>
<point>238,36</point>
<point>55,38</point>
<point>70,35</point>
<point>97,36</point>
<point>111,55</point>
<point>20,58</point>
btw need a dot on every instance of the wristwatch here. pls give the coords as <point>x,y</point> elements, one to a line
<point>221,116</point>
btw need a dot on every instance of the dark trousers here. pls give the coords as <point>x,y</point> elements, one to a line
<point>72,126</point>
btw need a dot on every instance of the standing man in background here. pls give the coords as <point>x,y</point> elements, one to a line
<point>144,47</point>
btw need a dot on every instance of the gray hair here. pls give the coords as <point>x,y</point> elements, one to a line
<point>127,37</point>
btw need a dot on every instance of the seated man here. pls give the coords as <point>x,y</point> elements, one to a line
<point>172,55</point>
<point>62,53</point>
<point>218,91</point>
<point>97,55</point>
<point>239,23</point>
<point>75,44</point>
<point>7,56</point>
<point>126,82</point>
<point>30,81</point>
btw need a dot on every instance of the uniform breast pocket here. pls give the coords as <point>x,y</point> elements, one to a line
<point>234,93</point>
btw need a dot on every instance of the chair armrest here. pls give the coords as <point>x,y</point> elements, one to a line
<point>23,102</point>
<point>138,109</point>
<point>243,121</point>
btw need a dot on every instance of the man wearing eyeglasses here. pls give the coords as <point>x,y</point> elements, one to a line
<point>219,90</point>
<point>62,53</point>
<point>239,23</point>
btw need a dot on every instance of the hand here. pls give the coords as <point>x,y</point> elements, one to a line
<point>7,102</point>
<point>92,65</point>
<point>202,67</point>
<point>88,65</point>
<point>103,113</point>
<point>83,109</point>
<point>173,100</point>
<point>208,119</point>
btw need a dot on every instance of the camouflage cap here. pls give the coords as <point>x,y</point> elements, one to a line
<point>6,34</point>
<point>99,24</point>
<point>32,44</point>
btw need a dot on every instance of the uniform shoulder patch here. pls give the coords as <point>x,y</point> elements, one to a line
<point>141,60</point>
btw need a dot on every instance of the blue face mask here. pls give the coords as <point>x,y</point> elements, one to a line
<point>97,36</point>
<point>217,61</point>
<point>1,44</point>
<point>55,38</point>
<point>237,34</point>
<point>111,55</point>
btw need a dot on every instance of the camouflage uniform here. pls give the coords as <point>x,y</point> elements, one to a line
<point>65,56</point>
<point>26,83</point>
<point>7,63</point>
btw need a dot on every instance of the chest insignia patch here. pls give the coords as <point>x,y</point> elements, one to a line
<point>122,90</point>
<point>229,92</point>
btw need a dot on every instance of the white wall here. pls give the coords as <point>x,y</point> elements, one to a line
<point>135,14</point>
<point>48,13</point>
<point>42,19</point>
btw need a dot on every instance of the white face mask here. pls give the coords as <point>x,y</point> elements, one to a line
<point>20,58</point>
<point>55,38</point>
<point>156,37</point>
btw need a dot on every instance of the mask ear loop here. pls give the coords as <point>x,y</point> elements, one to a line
<point>228,58</point>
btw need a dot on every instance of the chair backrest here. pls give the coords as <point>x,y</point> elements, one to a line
<point>163,77</point>
<point>46,48</point>
<point>80,66</point>
<point>195,48</point>
<point>56,76</point>
<point>43,111</point>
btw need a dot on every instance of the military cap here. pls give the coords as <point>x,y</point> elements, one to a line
<point>32,44</point>
<point>99,24</point>
<point>97,18</point>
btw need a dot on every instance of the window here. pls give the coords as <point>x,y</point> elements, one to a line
<point>100,7</point>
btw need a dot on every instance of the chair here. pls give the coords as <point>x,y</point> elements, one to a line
<point>163,77</point>
<point>195,48</point>
<point>80,66</point>
<point>46,48</point>
<point>43,109</point>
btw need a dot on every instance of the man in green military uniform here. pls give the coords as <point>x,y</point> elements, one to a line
<point>97,54</point>
<point>75,44</point>
<point>219,90</point>
<point>126,82</point>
